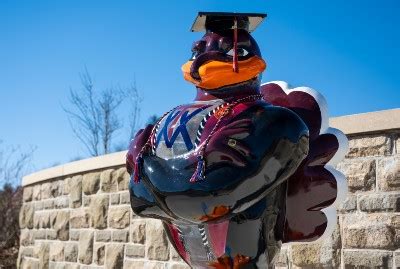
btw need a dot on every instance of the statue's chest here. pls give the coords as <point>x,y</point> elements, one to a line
<point>179,131</point>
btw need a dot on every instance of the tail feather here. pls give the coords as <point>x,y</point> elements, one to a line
<point>316,187</point>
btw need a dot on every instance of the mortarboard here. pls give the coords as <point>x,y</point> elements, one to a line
<point>214,21</point>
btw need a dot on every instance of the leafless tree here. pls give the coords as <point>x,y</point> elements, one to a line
<point>93,115</point>
<point>135,101</point>
<point>14,161</point>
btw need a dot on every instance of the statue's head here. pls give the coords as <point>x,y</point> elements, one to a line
<point>227,54</point>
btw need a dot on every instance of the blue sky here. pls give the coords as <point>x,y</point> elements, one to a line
<point>348,50</point>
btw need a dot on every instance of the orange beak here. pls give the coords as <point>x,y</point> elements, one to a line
<point>216,74</point>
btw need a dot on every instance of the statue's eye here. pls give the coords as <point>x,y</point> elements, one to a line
<point>240,52</point>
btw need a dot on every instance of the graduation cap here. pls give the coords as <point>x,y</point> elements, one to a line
<point>214,21</point>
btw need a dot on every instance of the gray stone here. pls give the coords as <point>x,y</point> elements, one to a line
<point>108,183</point>
<point>41,220</point>
<point>75,191</point>
<point>103,236</point>
<point>138,228</point>
<point>125,198</point>
<point>50,234</point>
<point>86,200</point>
<point>173,254</point>
<point>99,211</point>
<point>389,174</point>
<point>114,198</point>
<point>360,174</point>
<point>61,202</point>
<point>43,255</point>
<point>155,265</point>
<point>71,252</point>
<point>36,193</point>
<point>26,216</point>
<point>367,259</point>
<point>132,264</point>
<point>26,237</point>
<point>61,225</point>
<point>57,252</point>
<point>38,205</point>
<point>158,249</point>
<point>370,146</point>
<point>119,217</point>
<point>114,256</point>
<point>45,191</point>
<point>56,188</point>
<point>122,178</point>
<point>48,204</point>
<point>85,247</point>
<point>374,231</point>
<point>29,264</point>
<point>380,202</point>
<point>80,218</point>
<point>134,251</point>
<point>177,266</point>
<point>74,235</point>
<point>99,254</point>
<point>120,236</point>
<point>39,234</point>
<point>91,183</point>
<point>349,205</point>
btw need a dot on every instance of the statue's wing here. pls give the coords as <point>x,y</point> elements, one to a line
<point>316,187</point>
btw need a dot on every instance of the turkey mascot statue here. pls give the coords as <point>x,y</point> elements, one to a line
<point>245,167</point>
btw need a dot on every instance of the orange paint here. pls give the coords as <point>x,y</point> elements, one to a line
<point>217,212</point>
<point>226,262</point>
<point>216,74</point>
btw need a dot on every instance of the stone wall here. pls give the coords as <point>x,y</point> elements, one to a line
<point>78,216</point>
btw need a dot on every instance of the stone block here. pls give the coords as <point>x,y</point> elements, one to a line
<point>51,235</point>
<point>397,256</point>
<point>120,236</point>
<point>380,145</point>
<point>157,247</point>
<point>91,183</point>
<point>26,237</point>
<point>138,229</point>
<point>374,231</point>
<point>349,205</point>
<point>36,192</point>
<point>108,183</point>
<point>74,235</point>
<point>85,247</point>
<point>71,252</point>
<point>72,266</point>
<point>75,191</point>
<point>48,204</point>
<point>99,254</point>
<point>114,198</point>
<point>367,259</point>
<point>80,218</point>
<point>114,256</point>
<point>177,266</point>
<point>41,220</point>
<point>39,234</point>
<point>103,236</point>
<point>38,205</point>
<point>45,191</point>
<point>155,265</point>
<point>26,214</point>
<point>61,225</point>
<point>98,210</point>
<point>125,198</point>
<point>385,202</point>
<point>27,195</point>
<point>132,264</point>
<point>360,174</point>
<point>56,188</point>
<point>67,188</point>
<point>61,202</point>
<point>122,178</point>
<point>134,251</point>
<point>29,264</point>
<point>43,255</point>
<point>119,217</point>
<point>57,252</point>
<point>389,174</point>
<point>86,200</point>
